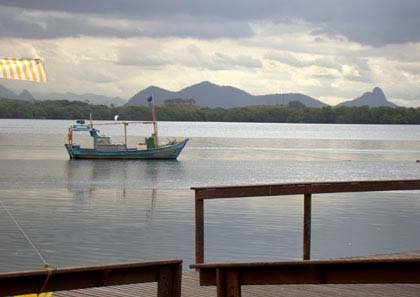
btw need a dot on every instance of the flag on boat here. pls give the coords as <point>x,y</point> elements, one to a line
<point>150,99</point>
<point>23,69</point>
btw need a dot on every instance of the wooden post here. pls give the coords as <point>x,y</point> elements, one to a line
<point>199,228</point>
<point>169,282</point>
<point>177,281</point>
<point>307,227</point>
<point>220,282</point>
<point>228,283</point>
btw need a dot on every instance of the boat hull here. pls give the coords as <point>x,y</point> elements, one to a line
<point>171,151</point>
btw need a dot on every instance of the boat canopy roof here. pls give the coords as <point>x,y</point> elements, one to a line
<point>92,131</point>
<point>80,127</point>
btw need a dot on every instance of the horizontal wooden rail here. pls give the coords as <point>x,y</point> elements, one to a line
<point>167,274</point>
<point>230,276</point>
<point>306,189</point>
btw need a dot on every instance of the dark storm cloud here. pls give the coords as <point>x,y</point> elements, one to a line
<point>54,27</point>
<point>18,22</point>
<point>373,22</point>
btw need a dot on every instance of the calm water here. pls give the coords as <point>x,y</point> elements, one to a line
<point>89,212</point>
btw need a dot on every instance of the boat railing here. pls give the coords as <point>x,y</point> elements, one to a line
<point>305,189</point>
<point>123,123</point>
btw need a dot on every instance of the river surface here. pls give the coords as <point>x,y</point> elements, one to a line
<point>91,212</point>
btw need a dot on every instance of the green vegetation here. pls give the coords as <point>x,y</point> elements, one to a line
<point>293,113</point>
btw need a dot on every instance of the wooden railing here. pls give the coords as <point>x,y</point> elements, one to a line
<point>305,189</point>
<point>229,277</point>
<point>167,274</point>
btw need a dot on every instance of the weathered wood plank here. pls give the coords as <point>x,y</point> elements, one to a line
<point>26,282</point>
<point>220,192</point>
<point>376,270</point>
<point>190,288</point>
<point>342,271</point>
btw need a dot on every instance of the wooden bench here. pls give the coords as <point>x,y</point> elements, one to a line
<point>166,273</point>
<point>229,277</point>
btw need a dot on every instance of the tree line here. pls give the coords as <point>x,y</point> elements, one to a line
<point>294,112</point>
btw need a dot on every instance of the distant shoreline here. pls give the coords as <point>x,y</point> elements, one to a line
<point>294,112</point>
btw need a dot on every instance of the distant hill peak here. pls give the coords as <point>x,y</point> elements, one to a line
<point>152,87</point>
<point>203,84</point>
<point>211,87</point>
<point>377,90</point>
<point>376,98</point>
<point>206,83</point>
<point>25,95</point>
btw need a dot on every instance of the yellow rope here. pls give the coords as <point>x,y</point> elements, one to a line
<point>41,292</point>
<point>49,273</point>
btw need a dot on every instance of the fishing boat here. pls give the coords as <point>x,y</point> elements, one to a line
<point>104,148</point>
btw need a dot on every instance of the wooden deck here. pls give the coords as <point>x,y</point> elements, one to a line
<point>190,287</point>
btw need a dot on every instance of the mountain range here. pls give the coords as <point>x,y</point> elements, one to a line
<point>88,97</point>
<point>212,95</point>
<point>8,94</point>
<point>204,94</point>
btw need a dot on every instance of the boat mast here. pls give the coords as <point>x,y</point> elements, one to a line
<point>155,131</point>
<point>125,134</point>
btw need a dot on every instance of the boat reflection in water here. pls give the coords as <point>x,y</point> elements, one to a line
<point>107,183</point>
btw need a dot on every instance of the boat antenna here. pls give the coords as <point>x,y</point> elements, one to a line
<point>91,120</point>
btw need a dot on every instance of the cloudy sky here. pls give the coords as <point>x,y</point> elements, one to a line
<point>332,50</point>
